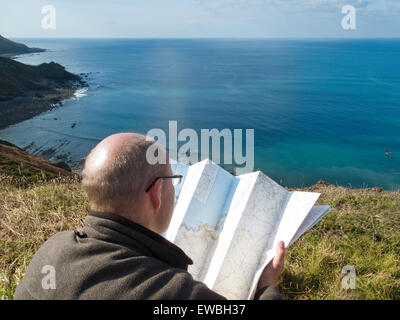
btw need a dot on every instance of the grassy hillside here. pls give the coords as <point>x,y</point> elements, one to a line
<point>18,79</point>
<point>362,230</point>
<point>25,169</point>
<point>10,48</point>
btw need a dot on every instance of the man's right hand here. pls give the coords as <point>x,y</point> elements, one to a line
<point>271,273</point>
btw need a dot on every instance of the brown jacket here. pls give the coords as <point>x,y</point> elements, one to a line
<point>113,258</point>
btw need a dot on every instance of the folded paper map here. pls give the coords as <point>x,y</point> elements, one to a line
<point>230,225</point>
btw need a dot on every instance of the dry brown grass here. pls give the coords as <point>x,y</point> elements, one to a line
<point>29,216</point>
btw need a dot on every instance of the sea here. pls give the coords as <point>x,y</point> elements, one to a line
<point>320,109</point>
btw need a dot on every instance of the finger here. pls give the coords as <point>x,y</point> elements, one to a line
<point>280,255</point>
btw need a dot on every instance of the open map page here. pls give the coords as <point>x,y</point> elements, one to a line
<point>230,225</point>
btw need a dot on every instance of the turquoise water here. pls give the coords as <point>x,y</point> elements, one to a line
<point>320,109</point>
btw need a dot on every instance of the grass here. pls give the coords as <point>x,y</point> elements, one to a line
<point>23,173</point>
<point>29,216</point>
<point>362,231</point>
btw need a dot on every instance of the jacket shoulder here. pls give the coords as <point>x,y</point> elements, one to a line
<point>42,264</point>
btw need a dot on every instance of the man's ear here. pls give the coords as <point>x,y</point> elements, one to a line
<point>155,194</point>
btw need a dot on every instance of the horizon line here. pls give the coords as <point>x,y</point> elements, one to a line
<point>222,38</point>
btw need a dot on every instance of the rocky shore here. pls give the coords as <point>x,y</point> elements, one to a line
<point>25,90</point>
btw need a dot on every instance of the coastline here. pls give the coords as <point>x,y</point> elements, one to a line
<point>23,108</point>
<point>63,141</point>
<point>14,55</point>
<point>29,90</point>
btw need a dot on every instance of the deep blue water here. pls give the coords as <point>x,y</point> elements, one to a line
<point>320,109</point>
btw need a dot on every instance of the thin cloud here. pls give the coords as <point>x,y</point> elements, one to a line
<point>370,6</point>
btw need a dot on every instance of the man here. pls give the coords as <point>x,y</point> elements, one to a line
<point>120,253</point>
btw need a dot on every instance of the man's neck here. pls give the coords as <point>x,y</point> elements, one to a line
<point>135,216</point>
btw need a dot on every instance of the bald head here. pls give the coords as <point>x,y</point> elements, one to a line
<point>108,150</point>
<point>116,172</point>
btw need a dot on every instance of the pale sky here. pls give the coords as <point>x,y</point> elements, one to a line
<point>200,18</point>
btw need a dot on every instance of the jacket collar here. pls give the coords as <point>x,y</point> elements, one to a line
<point>156,245</point>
